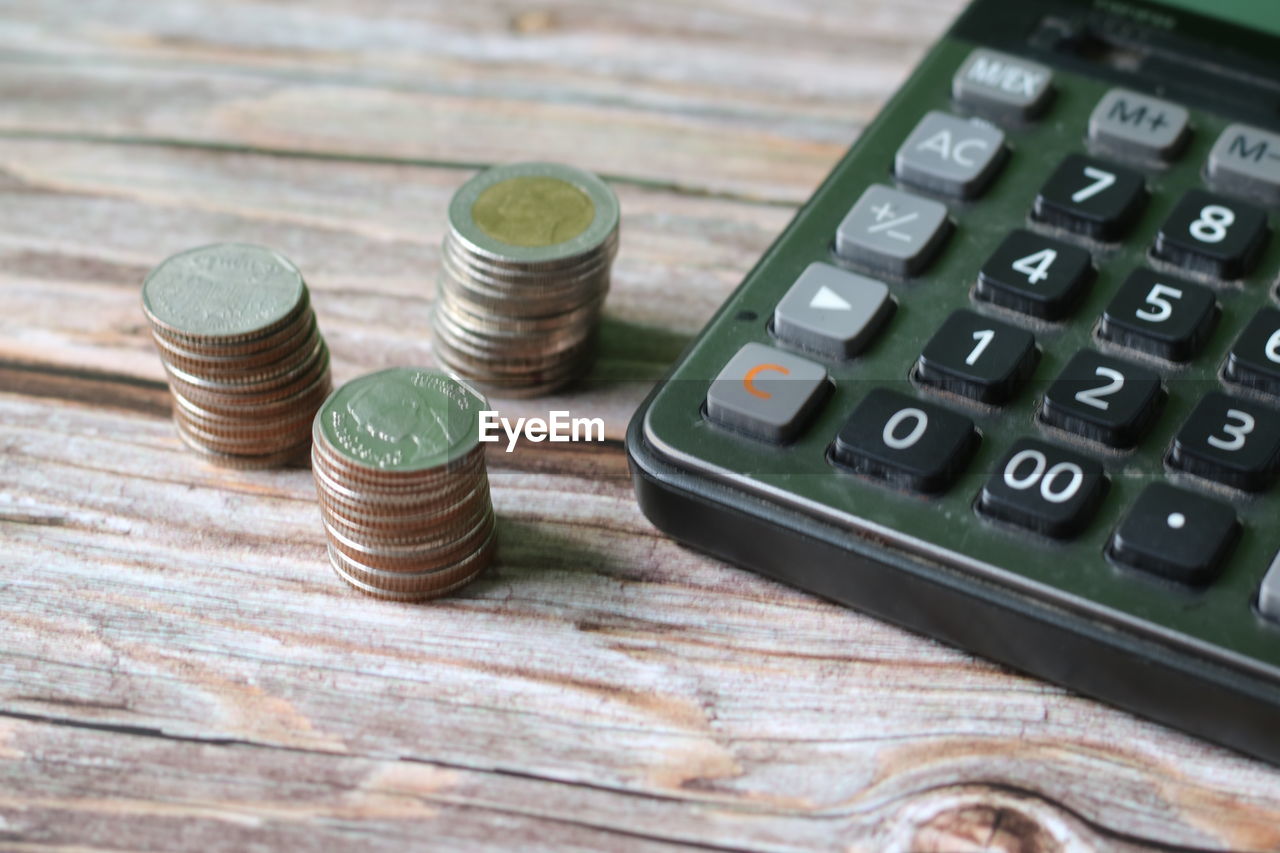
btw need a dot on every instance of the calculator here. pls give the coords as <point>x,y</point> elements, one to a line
<point>1011,377</point>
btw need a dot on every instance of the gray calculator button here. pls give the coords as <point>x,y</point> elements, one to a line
<point>766,393</point>
<point>1002,85</point>
<point>1246,160</point>
<point>1269,595</point>
<point>950,155</point>
<point>1135,125</point>
<point>831,311</point>
<point>890,230</point>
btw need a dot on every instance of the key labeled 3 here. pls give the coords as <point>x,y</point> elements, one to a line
<point>1232,441</point>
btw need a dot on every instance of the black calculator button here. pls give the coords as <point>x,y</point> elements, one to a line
<point>978,357</point>
<point>1176,534</point>
<point>950,155</point>
<point>1231,441</point>
<point>1160,315</point>
<point>904,441</point>
<point>1035,275</point>
<point>1092,197</point>
<point>1212,234</point>
<point>1103,399</point>
<point>766,393</point>
<point>1044,488</point>
<point>1255,357</point>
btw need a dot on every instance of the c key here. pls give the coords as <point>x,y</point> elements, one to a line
<point>766,393</point>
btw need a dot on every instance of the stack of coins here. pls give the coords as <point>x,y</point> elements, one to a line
<point>525,271</point>
<point>403,490</point>
<point>244,356</point>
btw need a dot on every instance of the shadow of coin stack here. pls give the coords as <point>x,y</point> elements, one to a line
<point>525,270</point>
<point>404,493</point>
<point>244,356</point>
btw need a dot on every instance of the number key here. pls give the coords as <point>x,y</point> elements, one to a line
<point>1160,315</point>
<point>906,442</point>
<point>1231,441</point>
<point>1044,488</point>
<point>1255,358</point>
<point>1035,275</point>
<point>1211,234</point>
<point>1091,197</point>
<point>1103,399</point>
<point>978,357</point>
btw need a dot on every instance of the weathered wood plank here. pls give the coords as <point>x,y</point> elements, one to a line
<point>754,99</point>
<point>177,665</point>
<point>146,591</point>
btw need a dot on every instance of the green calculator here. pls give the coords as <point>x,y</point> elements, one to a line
<point>1011,377</point>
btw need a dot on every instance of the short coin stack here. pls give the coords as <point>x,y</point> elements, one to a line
<point>526,268</point>
<point>404,494</point>
<point>244,356</point>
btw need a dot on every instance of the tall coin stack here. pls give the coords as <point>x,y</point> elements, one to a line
<point>245,360</point>
<point>403,489</point>
<point>525,271</point>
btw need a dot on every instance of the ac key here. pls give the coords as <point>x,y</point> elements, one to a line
<point>946,154</point>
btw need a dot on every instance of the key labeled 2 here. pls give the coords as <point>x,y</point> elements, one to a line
<point>1103,399</point>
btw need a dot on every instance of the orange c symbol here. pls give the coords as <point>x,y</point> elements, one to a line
<point>758,369</point>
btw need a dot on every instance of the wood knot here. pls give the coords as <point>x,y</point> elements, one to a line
<point>971,818</point>
<point>999,829</point>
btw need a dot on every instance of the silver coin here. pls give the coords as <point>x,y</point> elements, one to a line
<point>227,291</point>
<point>525,270</point>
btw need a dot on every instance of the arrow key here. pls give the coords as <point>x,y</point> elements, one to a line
<point>832,312</point>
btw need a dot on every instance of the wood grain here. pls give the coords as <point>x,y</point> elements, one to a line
<point>179,668</point>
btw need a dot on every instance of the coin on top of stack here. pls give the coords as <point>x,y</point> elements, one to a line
<point>245,360</point>
<point>525,270</point>
<point>401,478</point>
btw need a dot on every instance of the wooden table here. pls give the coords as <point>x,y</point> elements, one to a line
<point>178,666</point>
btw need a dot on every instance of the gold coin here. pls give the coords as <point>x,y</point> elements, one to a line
<point>533,211</point>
